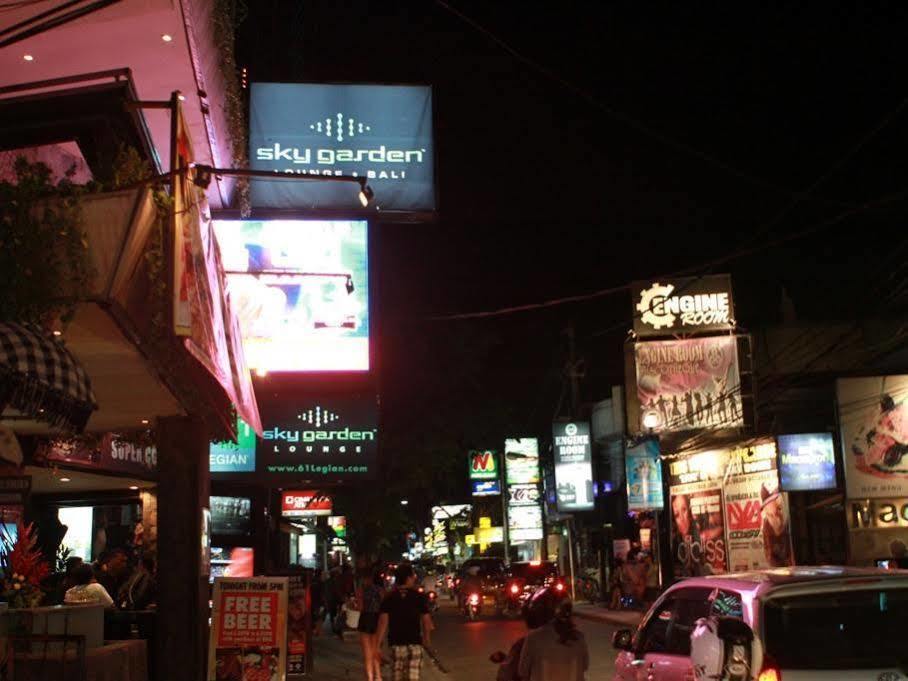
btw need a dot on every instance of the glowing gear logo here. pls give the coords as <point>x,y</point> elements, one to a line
<point>648,310</point>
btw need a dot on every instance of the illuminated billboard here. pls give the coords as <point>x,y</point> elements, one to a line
<point>382,133</point>
<point>806,462</point>
<point>305,504</point>
<point>573,466</point>
<point>521,458</point>
<point>234,457</point>
<point>483,465</point>
<point>300,289</point>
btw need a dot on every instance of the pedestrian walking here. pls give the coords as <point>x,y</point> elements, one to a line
<point>556,651</point>
<point>405,617</point>
<point>369,597</point>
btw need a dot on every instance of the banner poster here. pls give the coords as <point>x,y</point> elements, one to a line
<point>756,513</point>
<point>299,626</point>
<point>698,530</point>
<point>248,635</point>
<point>690,384</point>
<point>873,417</point>
<point>644,477</point>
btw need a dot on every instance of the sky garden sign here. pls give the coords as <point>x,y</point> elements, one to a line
<point>693,305</point>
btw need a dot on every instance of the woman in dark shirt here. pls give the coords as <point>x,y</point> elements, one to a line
<point>369,595</point>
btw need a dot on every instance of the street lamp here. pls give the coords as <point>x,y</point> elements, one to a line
<point>652,419</point>
<point>404,502</point>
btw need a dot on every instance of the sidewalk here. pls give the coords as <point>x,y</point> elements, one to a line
<point>619,618</point>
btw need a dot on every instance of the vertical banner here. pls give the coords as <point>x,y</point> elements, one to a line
<point>299,627</point>
<point>873,416</point>
<point>689,384</point>
<point>644,477</point>
<point>698,530</point>
<point>573,466</point>
<point>248,630</point>
<point>758,527</point>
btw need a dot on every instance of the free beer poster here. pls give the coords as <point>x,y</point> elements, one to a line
<point>248,635</point>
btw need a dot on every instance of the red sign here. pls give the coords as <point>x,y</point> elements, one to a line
<point>305,503</point>
<point>744,515</point>
<point>248,619</point>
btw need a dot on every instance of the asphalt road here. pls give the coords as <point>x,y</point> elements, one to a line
<point>464,648</point>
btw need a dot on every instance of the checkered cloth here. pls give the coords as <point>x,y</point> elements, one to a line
<point>405,663</point>
<point>41,379</point>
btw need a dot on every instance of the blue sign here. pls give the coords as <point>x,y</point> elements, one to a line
<point>234,457</point>
<point>382,133</point>
<point>644,477</point>
<point>486,488</point>
<point>807,462</point>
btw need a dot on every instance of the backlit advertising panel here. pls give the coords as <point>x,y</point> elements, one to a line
<point>689,384</point>
<point>486,488</point>
<point>327,438</point>
<point>521,457</point>
<point>382,133</point>
<point>690,305</point>
<point>305,504</point>
<point>524,495</point>
<point>524,523</point>
<point>807,462</point>
<point>234,457</point>
<point>573,466</point>
<point>300,289</point>
<point>644,477</point>
<point>483,465</point>
<point>873,416</point>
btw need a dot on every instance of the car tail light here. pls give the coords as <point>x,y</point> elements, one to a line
<point>474,599</point>
<point>770,671</point>
<point>432,595</point>
<point>421,590</point>
<point>515,589</point>
<point>559,587</point>
<point>535,563</point>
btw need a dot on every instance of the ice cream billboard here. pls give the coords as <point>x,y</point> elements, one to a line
<point>301,291</point>
<point>689,384</point>
<point>248,629</point>
<point>644,476</point>
<point>873,418</point>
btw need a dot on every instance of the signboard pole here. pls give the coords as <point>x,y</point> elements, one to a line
<point>569,523</point>
<point>505,497</point>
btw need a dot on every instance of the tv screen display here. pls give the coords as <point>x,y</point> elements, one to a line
<point>231,515</point>
<point>301,291</point>
<point>237,561</point>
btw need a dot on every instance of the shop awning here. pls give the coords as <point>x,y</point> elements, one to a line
<point>41,380</point>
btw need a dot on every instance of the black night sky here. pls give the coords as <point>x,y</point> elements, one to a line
<point>628,140</point>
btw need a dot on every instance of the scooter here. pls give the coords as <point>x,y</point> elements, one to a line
<point>472,605</point>
<point>433,602</point>
<point>512,598</point>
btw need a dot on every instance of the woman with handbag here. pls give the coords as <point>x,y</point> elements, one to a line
<point>369,595</point>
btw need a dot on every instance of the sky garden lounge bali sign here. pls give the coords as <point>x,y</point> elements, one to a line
<point>693,305</point>
<point>380,132</point>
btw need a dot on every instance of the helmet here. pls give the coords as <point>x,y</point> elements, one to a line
<point>544,606</point>
<point>725,649</point>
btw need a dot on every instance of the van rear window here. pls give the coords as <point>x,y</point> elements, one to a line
<point>857,629</point>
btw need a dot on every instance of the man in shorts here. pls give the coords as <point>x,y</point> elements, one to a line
<point>405,618</point>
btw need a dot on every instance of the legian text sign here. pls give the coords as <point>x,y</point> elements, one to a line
<point>379,132</point>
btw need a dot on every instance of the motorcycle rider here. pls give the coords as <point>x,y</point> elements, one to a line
<point>472,584</point>
<point>542,609</point>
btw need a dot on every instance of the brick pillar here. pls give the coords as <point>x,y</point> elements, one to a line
<point>183,489</point>
<point>150,520</point>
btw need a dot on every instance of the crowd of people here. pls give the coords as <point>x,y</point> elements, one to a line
<point>112,581</point>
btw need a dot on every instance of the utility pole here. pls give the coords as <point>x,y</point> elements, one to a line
<point>573,371</point>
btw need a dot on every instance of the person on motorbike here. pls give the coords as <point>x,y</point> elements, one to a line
<point>472,584</point>
<point>540,610</point>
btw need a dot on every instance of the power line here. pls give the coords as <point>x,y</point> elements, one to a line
<point>622,116</point>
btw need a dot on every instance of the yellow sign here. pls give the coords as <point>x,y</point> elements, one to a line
<point>470,539</point>
<point>489,535</point>
<point>485,522</point>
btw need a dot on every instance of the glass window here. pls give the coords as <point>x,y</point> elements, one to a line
<point>689,608</point>
<point>855,629</point>
<point>727,604</point>
<point>654,638</point>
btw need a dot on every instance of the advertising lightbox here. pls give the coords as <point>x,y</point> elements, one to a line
<point>305,504</point>
<point>300,289</point>
<point>234,457</point>
<point>522,460</point>
<point>806,462</point>
<point>525,523</point>
<point>694,304</point>
<point>524,495</point>
<point>873,416</point>
<point>329,438</point>
<point>573,467</point>
<point>486,488</point>
<point>483,465</point>
<point>382,133</point>
<point>644,477</point>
